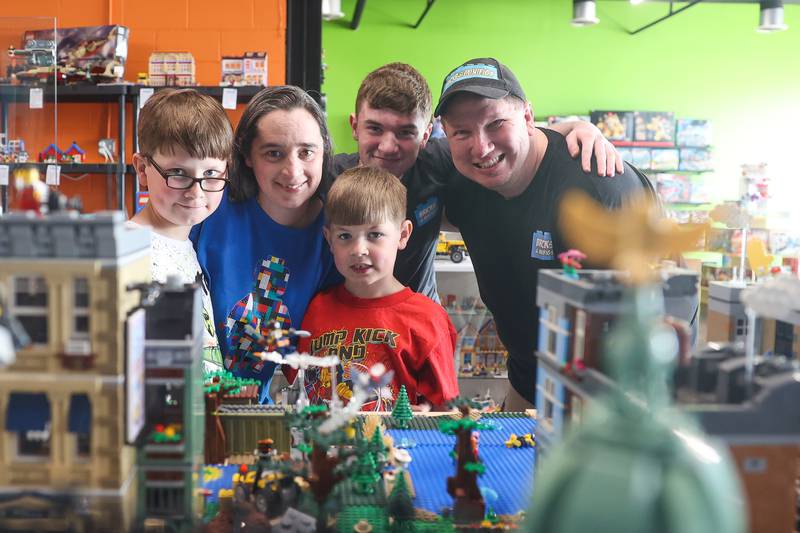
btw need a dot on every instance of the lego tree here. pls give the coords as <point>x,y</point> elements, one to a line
<point>377,447</point>
<point>218,385</point>
<point>400,506</point>
<point>365,473</point>
<point>401,414</point>
<point>324,475</point>
<point>463,487</point>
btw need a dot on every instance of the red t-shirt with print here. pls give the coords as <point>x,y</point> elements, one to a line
<point>406,331</point>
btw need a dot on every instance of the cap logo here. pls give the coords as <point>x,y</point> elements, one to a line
<point>479,70</point>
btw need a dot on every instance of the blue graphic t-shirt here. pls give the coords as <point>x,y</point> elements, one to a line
<point>259,272</point>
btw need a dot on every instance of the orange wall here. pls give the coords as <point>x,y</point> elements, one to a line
<point>208,29</point>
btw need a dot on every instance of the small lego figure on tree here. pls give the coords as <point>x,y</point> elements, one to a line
<point>401,414</point>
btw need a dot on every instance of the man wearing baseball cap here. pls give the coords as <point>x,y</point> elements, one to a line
<point>506,205</point>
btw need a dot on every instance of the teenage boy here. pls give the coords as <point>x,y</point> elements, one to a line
<point>506,203</point>
<point>392,124</point>
<point>185,140</point>
<point>372,318</point>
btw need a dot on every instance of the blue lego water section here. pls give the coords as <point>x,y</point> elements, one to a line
<point>509,471</point>
<point>216,477</point>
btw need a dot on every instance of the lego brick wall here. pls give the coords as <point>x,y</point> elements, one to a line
<point>206,28</point>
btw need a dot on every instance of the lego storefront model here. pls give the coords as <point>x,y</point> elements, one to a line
<point>65,462</point>
<point>171,69</point>
<point>633,463</point>
<point>745,391</point>
<point>173,431</point>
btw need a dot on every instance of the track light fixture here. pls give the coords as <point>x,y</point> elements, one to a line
<point>771,16</point>
<point>584,13</point>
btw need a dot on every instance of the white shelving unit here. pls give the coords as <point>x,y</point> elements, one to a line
<point>459,279</point>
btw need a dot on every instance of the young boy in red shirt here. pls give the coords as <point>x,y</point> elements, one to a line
<point>372,318</point>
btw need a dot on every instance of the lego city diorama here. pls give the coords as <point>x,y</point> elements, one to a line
<point>111,422</point>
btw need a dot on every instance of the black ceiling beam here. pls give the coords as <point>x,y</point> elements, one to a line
<point>672,13</point>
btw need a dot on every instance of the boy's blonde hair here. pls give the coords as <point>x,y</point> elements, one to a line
<point>365,195</point>
<point>398,87</point>
<point>184,118</point>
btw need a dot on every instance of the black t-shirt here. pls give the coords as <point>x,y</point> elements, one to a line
<point>425,183</point>
<point>509,240</point>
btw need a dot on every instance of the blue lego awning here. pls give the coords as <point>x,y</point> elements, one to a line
<point>80,414</point>
<point>27,412</point>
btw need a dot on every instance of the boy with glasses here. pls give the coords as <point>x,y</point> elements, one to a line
<point>185,142</point>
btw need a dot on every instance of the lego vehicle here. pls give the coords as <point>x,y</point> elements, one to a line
<point>454,248</point>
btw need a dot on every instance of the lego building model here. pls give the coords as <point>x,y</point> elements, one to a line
<point>12,150</point>
<point>574,316</point>
<point>172,439</point>
<point>632,464</point>
<point>171,69</point>
<point>66,459</point>
<point>741,389</point>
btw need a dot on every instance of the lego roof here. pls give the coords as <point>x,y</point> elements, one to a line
<point>763,420</point>
<point>601,290</point>
<point>777,298</point>
<point>68,235</point>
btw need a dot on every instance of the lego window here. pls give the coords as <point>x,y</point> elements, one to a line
<point>580,334</point>
<point>741,327</point>
<point>164,408</point>
<point>30,306</point>
<point>28,416</point>
<point>164,501</point>
<point>576,408</point>
<point>80,308</point>
<point>549,401</point>
<point>552,336</point>
<point>80,423</point>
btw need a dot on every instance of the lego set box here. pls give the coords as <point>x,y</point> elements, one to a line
<point>84,54</point>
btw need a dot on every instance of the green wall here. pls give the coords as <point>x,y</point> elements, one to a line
<point>707,62</point>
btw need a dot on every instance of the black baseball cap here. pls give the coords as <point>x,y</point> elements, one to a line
<point>484,76</point>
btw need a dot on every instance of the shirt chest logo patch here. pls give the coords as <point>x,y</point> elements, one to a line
<point>542,246</point>
<point>427,210</point>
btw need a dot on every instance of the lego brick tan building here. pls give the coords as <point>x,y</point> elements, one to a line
<point>64,456</point>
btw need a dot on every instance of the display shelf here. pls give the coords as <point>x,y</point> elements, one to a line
<point>65,93</point>
<point>243,93</point>
<point>445,265</point>
<point>74,94</point>
<point>74,168</point>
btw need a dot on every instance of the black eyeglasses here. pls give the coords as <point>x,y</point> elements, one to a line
<point>182,181</point>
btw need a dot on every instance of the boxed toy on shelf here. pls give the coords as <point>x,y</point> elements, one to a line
<point>617,126</point>
<point>83,54</point>
<point>641,158</point>
<point>692,132</point>
<point>664,159</point>
<point>674,188</point>
<point>654,128</point>
<point>695,159</point>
